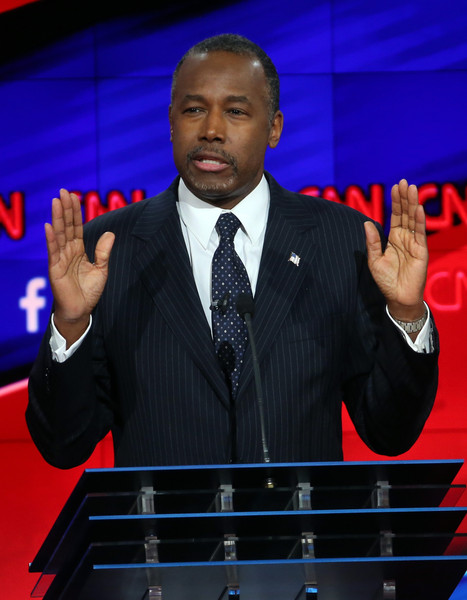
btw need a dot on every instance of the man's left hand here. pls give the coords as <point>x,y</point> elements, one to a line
<point>400,272</point>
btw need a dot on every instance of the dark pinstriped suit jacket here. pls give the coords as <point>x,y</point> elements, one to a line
<point>148,370</point>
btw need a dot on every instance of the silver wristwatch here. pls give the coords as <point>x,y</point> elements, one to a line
<point>413,326</point>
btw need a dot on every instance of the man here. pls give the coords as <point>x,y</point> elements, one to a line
<point>137,346</point>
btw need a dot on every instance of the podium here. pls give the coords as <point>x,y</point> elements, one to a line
<point>304,531</point>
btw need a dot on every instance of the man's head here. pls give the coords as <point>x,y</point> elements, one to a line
<point>224,114</point>
<point>242,46</point>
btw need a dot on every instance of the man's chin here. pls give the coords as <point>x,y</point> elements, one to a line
<point>212,192</point>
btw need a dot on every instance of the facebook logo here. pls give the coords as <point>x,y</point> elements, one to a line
<point>32,303</point>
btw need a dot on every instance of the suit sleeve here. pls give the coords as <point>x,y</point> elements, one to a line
<point>389,388</point>
<point>70,404</point>
<point>68,411</point>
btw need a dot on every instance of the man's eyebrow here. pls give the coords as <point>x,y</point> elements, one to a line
<point>231,98</point>
<point>242,99</point>
<point>194,97</point>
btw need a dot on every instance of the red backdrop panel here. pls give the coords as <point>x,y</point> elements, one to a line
<point>33,492</point>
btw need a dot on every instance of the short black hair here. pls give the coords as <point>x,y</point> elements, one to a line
<point>237,44</point>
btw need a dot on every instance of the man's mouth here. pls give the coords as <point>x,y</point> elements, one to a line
<point>209,162</point>
<point>210,165</point>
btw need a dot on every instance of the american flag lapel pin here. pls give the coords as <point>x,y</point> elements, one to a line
<point>294,258</point>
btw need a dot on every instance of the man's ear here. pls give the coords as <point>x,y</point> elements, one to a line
<point>170,122</point>
<point>276,129</point>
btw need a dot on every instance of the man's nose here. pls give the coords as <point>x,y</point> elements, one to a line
<point>213,128</point>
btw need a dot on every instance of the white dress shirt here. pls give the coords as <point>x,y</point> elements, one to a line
<point>198,222</point>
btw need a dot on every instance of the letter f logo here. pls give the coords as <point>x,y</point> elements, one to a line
<point>32,303</point>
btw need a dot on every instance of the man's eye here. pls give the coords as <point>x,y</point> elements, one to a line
<point>193,109</point>
<point>236,111</point>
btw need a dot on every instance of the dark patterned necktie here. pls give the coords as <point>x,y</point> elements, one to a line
<point>229,279</point>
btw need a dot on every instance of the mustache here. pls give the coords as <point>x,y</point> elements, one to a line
<point>222,153</point>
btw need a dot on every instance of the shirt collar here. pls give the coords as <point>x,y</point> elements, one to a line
<point>201,217</point>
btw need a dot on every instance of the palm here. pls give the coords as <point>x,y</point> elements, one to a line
<point>400,272</point>
<point>77,284</point>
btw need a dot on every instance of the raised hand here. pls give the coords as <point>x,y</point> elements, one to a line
<point>77,284</point>
<point>400,272</point>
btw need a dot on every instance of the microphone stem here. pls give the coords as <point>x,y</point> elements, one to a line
<point>259,387</point>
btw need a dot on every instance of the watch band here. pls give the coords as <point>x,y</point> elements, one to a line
<point>413,326</point>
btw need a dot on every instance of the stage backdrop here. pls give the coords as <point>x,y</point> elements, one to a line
<point>371,92</point>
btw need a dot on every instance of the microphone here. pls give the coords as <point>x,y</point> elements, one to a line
<point>221,304</point>
<point>246,309</point>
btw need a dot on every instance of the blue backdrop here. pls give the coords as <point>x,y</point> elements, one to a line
<point>371,92</point>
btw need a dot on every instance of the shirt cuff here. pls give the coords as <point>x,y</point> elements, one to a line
<point>423,343</point>
<point>57,342</point>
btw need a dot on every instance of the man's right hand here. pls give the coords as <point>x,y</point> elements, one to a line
<point>77,284</point>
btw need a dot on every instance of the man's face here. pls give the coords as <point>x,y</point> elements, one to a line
<point>220,127</point>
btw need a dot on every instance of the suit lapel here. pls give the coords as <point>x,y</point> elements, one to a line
<point>279,278</point>
<point>164,268</point>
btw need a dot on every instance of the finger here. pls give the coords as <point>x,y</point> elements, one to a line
<point>404,200</point>
<point>68,214</point>
<point>103,250</point>
<point>396,215</point>
<point>52,245</point>
<point>77,216</point>
<point>373,242</point>
<point>420,225</point>
<point>412,202</point>
<point>58,223</point>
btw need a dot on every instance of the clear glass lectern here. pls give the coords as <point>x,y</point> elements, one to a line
<point>328,531</point>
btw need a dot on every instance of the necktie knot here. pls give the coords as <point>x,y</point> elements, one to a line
<point>227,226</point>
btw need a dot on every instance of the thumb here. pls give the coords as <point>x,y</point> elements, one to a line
<point>103,250</point>
<point>373,242</point>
